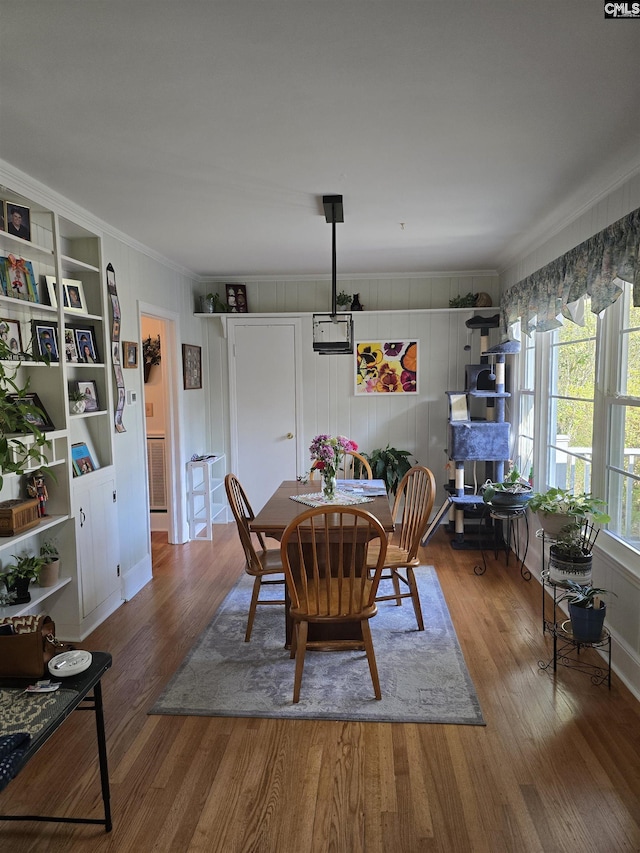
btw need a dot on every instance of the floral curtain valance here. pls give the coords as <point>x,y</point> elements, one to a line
<point>591,268</point>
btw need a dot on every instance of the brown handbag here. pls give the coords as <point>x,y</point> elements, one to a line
<point>26,652</point>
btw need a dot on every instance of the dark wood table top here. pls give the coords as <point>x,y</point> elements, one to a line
<point>280,510</point>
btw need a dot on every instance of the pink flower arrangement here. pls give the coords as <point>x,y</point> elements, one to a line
<point>326,452</point>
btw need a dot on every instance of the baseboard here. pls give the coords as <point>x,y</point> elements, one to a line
<point>136,578</point>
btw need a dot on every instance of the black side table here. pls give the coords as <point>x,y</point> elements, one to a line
<point>82,692</point>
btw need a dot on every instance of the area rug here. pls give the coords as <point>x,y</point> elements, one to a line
<point>423,675</point>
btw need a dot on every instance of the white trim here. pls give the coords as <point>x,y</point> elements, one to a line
<point>178,532</point>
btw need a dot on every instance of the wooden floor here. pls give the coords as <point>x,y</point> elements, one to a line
<point>557,767</point>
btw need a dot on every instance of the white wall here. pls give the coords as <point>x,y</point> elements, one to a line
<point>417,423</point>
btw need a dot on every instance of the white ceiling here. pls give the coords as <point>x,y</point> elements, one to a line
<point>209,131</point>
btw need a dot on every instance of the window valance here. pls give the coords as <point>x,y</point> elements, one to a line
<point>590,268</point>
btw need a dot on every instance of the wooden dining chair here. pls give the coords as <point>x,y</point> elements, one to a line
<point>262,564</point>
<point>416,494</point>
<point>346,471</point>
<point>324,554</point>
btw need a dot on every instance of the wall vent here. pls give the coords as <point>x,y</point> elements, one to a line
<point>157,468</point>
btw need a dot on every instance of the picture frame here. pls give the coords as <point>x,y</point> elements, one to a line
<point>129,354</point>
<point>42,421</point>
<point>237,298</point>
<point>3,216</point>
<point>386,367</point>
<point>45,339</point>
<point>70,347</point>
<point>89,389</point>
<point>10,334</point>
<point>73,298</point>
<point>81,460</point>
<point>85,338</point>
<point>17,279</point>
<point>192,366</point>
<point>18,221</point>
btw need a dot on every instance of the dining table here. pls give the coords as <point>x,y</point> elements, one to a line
<point>291,499</point>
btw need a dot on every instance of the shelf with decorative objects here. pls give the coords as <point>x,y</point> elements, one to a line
<point>205,495</point>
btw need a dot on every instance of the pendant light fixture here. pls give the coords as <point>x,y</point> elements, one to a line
<point>333,333</point>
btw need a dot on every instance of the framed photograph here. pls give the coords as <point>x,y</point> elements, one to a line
<point>237,298</point>
<point>70,347</point>
<point>386,367</point>
<point>85,338</point>
<point>18,280</point>
<point>89,389</point>
<point>10,334</point>
<point>3,216</point>
<point>129,354</point>
<point>192,366</point>
<point>81,460</point>
<point>41,419</point>
<point>18,221</point>
<point>72,294</point>
<point>45,338</point>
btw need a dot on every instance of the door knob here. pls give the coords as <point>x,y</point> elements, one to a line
<point>289,435</point>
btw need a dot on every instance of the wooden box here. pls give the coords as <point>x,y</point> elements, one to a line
<point>18,515</point>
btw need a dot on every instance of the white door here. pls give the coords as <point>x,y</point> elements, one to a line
<point>264,410</point>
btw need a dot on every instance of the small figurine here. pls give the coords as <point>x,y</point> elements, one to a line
<point>36,488</point>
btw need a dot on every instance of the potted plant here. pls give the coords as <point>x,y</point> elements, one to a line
<point>586,610</point>
<point>50,571</point>
<point>343,301</point>
<point>212,304</point>
<point>514,492</point>
<point>18,575</point>
<point>390,465</point>
<point>557,508</point>
<point>77,402</point>
<point>18,419</point>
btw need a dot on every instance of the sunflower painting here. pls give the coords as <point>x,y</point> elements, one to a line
<point>387,367</point>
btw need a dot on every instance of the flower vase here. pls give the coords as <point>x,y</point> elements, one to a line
<point>328,485</point>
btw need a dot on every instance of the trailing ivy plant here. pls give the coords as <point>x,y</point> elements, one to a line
<point>17,420</point>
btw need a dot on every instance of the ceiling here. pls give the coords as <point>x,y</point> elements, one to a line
<point>457,132</point>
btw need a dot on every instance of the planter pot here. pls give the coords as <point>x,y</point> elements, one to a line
<point>21,588</point>
<point>553,522</point>
<point>147,371</point>
<point>77,407</point>
<point>343,308</point>
<point>511,500</point>
<point>587,623</point>
<point>566,568</point>
<point>49,573</point>
<point>207,306</point>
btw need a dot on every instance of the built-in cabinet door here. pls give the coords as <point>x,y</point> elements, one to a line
<point>97,541</point>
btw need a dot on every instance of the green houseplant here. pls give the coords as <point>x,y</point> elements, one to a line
<point>18,420</point>
<point>556,508</point>
<point>390,465</point>
<point>50,571</point>
<point>586,610</point>
<point>18,575</point>
<point>343,300</point>
<point>511,493</point>
<point>77,402</point>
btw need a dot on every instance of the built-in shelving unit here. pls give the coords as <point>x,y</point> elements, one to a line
<point>64,252</point>
<point>206,496</point>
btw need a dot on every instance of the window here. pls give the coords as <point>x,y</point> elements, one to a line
<point>571,403</point>
<point>623,410</point>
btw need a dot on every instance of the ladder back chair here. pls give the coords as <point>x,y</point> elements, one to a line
<point>416,492</point>
<point>262,564</point>
<point>346,471</point>
<point>324,554</point>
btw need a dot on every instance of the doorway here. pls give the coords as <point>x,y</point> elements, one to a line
<point>166,487</point>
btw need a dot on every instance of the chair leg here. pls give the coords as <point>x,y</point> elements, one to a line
<point>371,657</point>
<point>415,598</point>
<point>396,587</point>
<point>301,647</point>
<point>252,608</point>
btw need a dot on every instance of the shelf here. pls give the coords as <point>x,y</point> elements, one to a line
<point>202,486</point>
<point>45,524</point>
<point>69,263</point>
<point>38,595</point>
<point>23,248</point>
